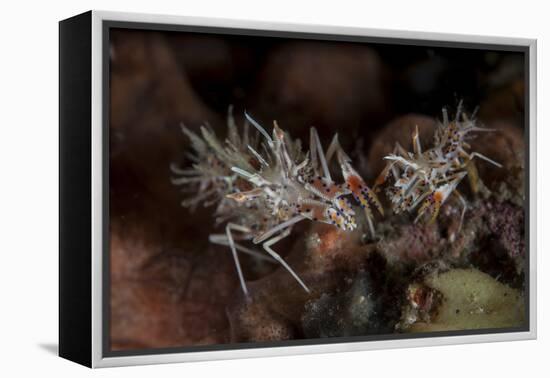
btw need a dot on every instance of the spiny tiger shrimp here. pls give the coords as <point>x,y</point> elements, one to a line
<point>428,178</point>
<point>263,187</point>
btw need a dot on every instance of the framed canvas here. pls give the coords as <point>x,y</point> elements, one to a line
<point>235,189</point>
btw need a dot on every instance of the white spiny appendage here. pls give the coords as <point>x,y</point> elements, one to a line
<point>428,178</point>
<point>263,185</point>
<point>258,156</point>
<point>259,128</point>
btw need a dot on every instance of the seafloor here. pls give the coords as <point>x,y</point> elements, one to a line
<point>171,288</point>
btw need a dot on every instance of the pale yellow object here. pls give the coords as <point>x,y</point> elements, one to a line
<point>472,300</point>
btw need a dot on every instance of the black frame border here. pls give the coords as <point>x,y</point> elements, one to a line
<point>75,189</point>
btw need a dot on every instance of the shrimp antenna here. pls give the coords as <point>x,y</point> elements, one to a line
<point>317,142</point>
<point>259,127</point>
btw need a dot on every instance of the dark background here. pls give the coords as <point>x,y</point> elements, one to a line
<point>169,287</point>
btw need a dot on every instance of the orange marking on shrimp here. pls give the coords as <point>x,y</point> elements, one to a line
<point>325,188</point>
<point>438,199</point>
<point>354,183</point>
<point>362,193</point>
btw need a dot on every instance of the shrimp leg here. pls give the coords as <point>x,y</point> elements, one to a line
<point>235,227</point>
<point>267,246</point>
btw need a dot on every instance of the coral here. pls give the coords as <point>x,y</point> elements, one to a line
<point>505,222</point>
<point>491,239</point>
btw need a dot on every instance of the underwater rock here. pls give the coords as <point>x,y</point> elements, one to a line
<point>155,288</point>
<point>326,259</point>
<point>354,312</point>
<point>308,83</point>
<point>353,291</point>
<point>165,290</point>
<point>408,243</point>
<point>148,87</point>
<point>506,102</point>
<point>506,222</point>
<point>220,70</point>
<point>501,248</point>
<point>150,96</point>
<point>488,225</point>
<point>461,299</point>
<point>144,315</point>
<point>506,146</point>
<point>492,238</point>
<point>256,322</point>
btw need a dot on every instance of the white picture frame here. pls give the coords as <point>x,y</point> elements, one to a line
<point>98,21</point>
